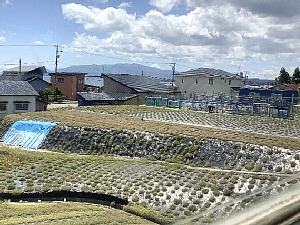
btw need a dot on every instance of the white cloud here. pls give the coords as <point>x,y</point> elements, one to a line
<point>124,5</point>
<point>166,5</point>
<point>136,59</point>
<point>155,66</point>
<point>2,39</point>
<point>210,33</point>
<point>78,56</point>
<point>106,20</point>
<point>7,2</point>
<point>38,43</point>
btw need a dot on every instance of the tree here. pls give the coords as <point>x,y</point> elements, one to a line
<point>296,76</point>
<point>283,78</point>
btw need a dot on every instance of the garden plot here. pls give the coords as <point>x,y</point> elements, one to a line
<point>172,191</point>
<point>265,125</point>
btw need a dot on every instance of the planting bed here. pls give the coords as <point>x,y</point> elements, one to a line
<point>170,190</point>
<point>265,125</point>
<point>167,171</point>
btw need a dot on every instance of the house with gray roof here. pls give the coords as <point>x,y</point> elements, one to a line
<point>32,74</point>
<point>206,82</point>
<point>101,98</point>
<point>144,86</point>
<point>16,97</point>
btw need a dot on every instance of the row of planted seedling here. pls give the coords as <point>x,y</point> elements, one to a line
<point>171,191</point>
<point>173,148</point>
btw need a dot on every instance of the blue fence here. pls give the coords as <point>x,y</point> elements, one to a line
<point>27,133</point>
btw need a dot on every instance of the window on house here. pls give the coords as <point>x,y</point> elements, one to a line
<point>211,81</point>
<point>80,81</point>
<point>196,81</point>
<point>2,106</point>
<point>60,80</point>
<point>21,106</point>
<point>229,82</point>
<point>182,80</point>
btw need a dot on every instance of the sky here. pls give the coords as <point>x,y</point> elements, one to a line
<point>256,37</point>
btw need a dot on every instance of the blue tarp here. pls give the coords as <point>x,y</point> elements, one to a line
<point>27,133</point>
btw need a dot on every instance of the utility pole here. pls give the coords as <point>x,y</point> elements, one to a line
<point>56,57</point>
<point>56,63</point>
<point>173,73</point>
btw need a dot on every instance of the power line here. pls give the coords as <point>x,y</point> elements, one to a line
<point>27,45</point>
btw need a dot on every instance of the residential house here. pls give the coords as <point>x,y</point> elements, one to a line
<point>144,86</point>
<point>286,87</point>
<point>16,97</point>
<point>68,83</point>
<point>206,82</point>
<point>32,74</point>
<point>101,98</point>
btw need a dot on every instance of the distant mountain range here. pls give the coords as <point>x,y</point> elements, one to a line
<point>122,68</point>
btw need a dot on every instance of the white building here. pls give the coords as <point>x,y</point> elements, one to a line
<point>205,82</point>
<point>16,97</point>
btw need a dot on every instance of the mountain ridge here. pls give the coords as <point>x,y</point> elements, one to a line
<point>95,70</point>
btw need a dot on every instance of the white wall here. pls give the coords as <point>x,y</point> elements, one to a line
<point>199,86</point>
<point>10,106</point>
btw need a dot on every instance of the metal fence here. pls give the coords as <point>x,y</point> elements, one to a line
<point>244,105</point>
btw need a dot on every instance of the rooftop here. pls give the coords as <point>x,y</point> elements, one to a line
<point>96,96</point>
<point>207,72</point>
<point>139,83</point>
<point>67,74</point>
<point>26,69</point>
<point>16,88</point>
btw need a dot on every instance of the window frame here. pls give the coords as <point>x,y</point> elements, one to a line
<point>4,108</point>
<point>24,106</point>
<point>60,80</point>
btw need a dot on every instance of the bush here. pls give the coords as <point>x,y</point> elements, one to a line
<point>205,191</point>
<point>192,208</point>
<point>207,204</point>
<point>146,213</point>
<point>187,213</point>
<point>250,186</point>
<point>177,201</point>
<point>135,198</point>
<point>249,166</point>
<point>227,192</point>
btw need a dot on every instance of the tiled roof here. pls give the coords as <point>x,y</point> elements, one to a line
<point>294,86</point>
<point>26,69</point>
<point>11,77</point>
<point>37,78</point>
<point>207,72</point>
<point>139,83</point>
<point>16,88</point>
<point>66,74</point>
<point>96,96</point>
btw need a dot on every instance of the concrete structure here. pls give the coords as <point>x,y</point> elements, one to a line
<point>16,97</point>
<point>205,82</point>
<point>68,83</point>
<point>32,74</point>
<point>101,98</point>
<point>144,86</point>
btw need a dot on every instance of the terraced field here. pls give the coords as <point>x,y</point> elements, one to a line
<point>157,190</point>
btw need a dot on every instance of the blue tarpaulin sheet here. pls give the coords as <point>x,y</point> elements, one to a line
<point>27,133</point>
